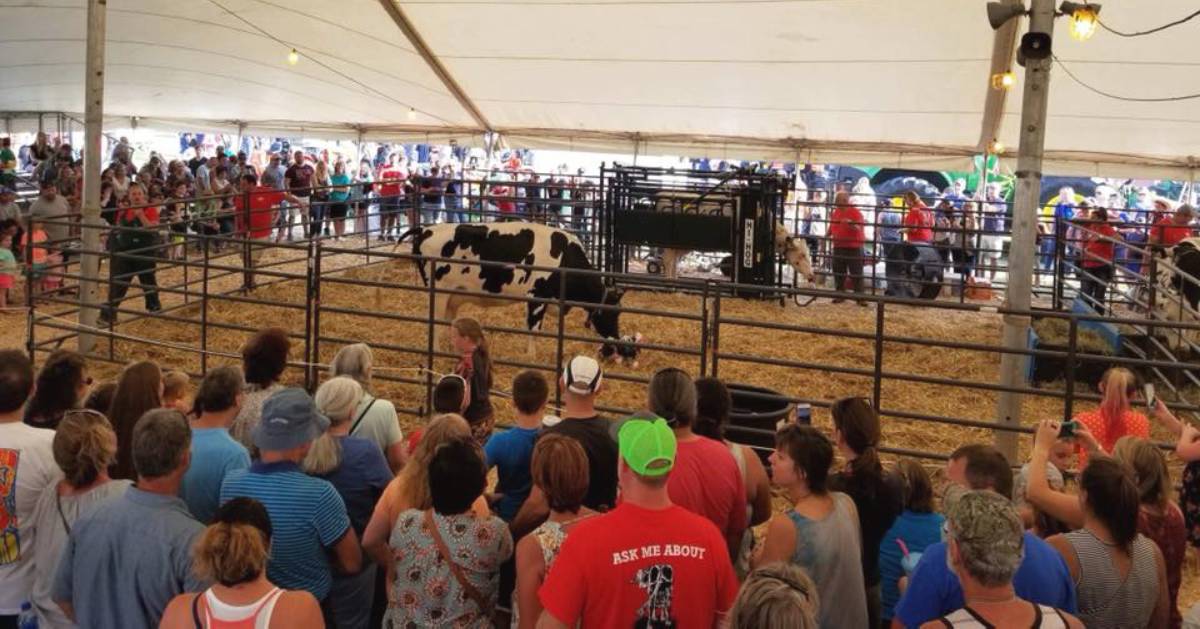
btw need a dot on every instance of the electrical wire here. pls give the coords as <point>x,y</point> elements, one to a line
<point>1131,99</point>
<point>1148,31</point>
<point>320,63</point>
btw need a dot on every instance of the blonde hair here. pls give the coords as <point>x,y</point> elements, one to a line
<point>414,478</point>
<point>84,446</point>
<point>230,553</point>
<point>336,399</point>
<point>776,596</point>
<point>354,361</point>
<point>175,386</point>
<point>1149,467</point>
<point>1117,386</point>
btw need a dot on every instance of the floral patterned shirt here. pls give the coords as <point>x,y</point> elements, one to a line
<point>424,592</point>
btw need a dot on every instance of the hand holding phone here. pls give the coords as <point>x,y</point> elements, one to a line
<point>1067,429</point>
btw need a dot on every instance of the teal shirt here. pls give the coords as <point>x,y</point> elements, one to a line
<point>339,196</point>
<point>8,262</point>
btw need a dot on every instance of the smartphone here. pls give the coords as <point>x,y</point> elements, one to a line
<point>1067,429</point>
<point>1148,388</point>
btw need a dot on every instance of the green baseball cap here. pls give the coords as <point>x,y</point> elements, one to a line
<point>648,446</point>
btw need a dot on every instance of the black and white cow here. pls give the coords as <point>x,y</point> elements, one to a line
<point>1177,291</point>
<point>501,247</point>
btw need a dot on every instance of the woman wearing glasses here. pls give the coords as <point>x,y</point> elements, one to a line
<point>84,446</point>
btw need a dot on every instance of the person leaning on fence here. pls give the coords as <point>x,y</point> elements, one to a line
<point>232,555</point>
<point>1171,230</point>
<point>1096,264</point>
<point>985,540</point>
<point>918,220</point>
<point>134,248</point>
<point>254,220</point>
<point>934,590</point>
<point>847,231</point>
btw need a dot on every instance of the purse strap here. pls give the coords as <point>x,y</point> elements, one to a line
<point>357,422</point>
<point>470,590</point>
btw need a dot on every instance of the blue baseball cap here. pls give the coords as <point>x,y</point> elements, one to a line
<point>290,419</point>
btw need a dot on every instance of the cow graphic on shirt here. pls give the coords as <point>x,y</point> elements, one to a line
<point>10,543</point>
<point>658,582</point>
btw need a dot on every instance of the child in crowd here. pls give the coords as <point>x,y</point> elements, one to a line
<point>449,396</point>
<point>914,529</point>
<point>176,216</point>
<point>8,262</point>
<point>43,260</point>
<point>475,367</point>
<point>511,450</point>
<point>177,391</point>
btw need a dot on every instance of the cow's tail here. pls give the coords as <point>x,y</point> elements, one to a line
<point>412,231</point>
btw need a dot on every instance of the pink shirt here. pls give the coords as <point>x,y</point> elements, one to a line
<point>706,481</point>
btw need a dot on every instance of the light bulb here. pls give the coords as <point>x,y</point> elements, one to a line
<point>412,114</point>
<point>293,57</point>
<point>1083,23</point>
<point>1003,80</point>
<point>996,147</point>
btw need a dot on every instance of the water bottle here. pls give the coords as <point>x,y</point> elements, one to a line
<point>804,414</point>
<point>27,619</point>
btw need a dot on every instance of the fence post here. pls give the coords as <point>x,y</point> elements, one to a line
<point>562,321</point>
<point>1069,372</point>
<point>704,330</point>
<point>316,313</point>
<point>246,233</point>
<point>308,292</point>
<point>716,333</point>
<point>27,254</point>
<point>430,345</point>
<point>1060,252</point>
<point>203,309</point>
<point>877,386</point>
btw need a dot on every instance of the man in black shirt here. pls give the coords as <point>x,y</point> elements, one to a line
<point>580,383</point>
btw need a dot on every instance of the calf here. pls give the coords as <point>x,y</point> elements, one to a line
<point>490,254</point>
<point>1177,297</point>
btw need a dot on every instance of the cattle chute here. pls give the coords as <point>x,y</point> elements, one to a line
<point>733,213</point>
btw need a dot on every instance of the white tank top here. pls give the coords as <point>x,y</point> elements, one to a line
<point>219,613</point>
<point>1044,618</point>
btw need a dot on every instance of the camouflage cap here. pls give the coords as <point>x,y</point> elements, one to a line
<point>989,534</point>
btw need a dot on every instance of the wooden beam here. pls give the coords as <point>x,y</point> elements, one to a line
<point>418,42</point>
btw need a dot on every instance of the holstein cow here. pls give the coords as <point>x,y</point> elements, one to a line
<point>794,250</point>
<point>1177,293</point>
<point>501,246</point>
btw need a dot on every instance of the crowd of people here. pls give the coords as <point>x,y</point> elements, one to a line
<point>241,501</point>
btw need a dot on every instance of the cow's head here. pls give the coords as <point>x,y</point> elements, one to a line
<point>625,351</point>
<point>604,320</point>
<point>795,251</point>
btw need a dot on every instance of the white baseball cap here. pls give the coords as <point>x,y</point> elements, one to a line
<point>582,375</point>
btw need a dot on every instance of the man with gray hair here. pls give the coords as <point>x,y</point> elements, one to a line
<point>985,539</point>
<point>130,556</point>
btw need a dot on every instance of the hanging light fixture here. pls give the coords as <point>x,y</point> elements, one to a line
<point>412,114</point>
<point>996,147</point>
<point>293,57</point>
<point>1003,80</point>
<point>1085,19</point>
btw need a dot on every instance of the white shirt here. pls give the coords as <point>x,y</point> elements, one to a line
<point>26,468</point>
<point>379,425</point>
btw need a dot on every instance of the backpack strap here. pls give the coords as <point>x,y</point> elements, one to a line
<point>474,594</point>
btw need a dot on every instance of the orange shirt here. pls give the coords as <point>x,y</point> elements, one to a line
<point>1132,423</point>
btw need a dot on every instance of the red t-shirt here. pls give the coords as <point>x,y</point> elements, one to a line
<point>1169,233</point>
<point>919,221</point>
<point>846,228</point>
<point>706,481</point>
<point>1131,423</point>
<point>130,215</point>
<point>262,199</point>
<point>1097,251</point>
<point>640,567</point>
<point>392,182</point>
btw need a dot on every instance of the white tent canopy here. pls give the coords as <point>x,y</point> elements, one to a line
<point>851,81</point>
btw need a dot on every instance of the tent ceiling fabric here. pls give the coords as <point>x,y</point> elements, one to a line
<point>871,81</point>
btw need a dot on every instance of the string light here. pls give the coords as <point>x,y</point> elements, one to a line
<point>996,147</point>
<point>1083,23</point>
<point>412,114</point>
<point>293,57</point>
<point>1003,80</point>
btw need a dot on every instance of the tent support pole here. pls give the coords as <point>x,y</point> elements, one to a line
<point>1013,367</point>
<point>93,136</point>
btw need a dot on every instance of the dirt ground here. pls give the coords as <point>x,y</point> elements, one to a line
<point>354,313</point>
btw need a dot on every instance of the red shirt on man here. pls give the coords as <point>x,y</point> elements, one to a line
<point>392,182</point>
<point>262,218</point>
<point>919,221</point>
<point>635,566</point>
<point>846,228</point>
<point>706,481</point>
<point>1168,233</point>
<point>1097,249</point>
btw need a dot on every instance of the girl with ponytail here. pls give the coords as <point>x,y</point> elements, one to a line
<point>232,554</point>
<point>878,496</point>
<point>1120,575</point>
<point>1115,418</point>
<point>475,367</point>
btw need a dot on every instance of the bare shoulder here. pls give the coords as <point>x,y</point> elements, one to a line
<point>178,612</point>
<point>297,608</point>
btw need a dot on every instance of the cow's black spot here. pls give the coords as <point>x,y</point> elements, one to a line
<point>466,269</point>
<point>529,259</point>
<point>441,271</point>
<point>448,248</point>
<point>558,243</point>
